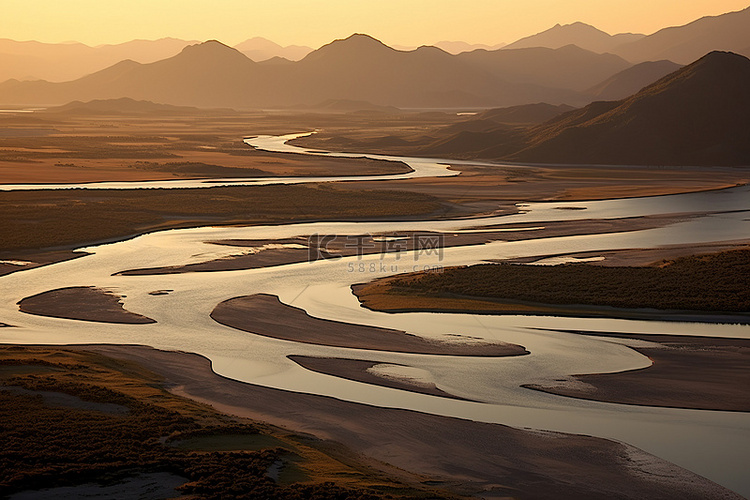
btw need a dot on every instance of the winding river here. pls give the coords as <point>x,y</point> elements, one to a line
<point>711,443</point>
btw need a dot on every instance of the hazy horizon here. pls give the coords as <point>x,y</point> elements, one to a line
<point>291,22</point>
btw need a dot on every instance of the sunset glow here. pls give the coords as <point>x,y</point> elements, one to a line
<point>315,23</point>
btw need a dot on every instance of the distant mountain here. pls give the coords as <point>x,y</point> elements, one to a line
<point>261,49</point>
<point>683,44</point>
<point>359,68</point>
<point>67,61</point>
<point>569,67</point>
<point>698,115</point>
<point>629,81</point>
<point>457,47</point>
<point>204,75</point>
<point>580,34</point>
<point>122,106</point>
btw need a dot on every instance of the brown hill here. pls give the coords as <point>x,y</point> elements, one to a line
<point>684,44</point>
<point>580,34</point>
<point>631,80</point>
<point>698,115</point>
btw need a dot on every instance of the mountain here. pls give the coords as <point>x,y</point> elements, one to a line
<point>683,44</point>
<point>697,115</point>
<point>582,35</point>
<point>358,68</point>
<point>631,80</point>
<point>122,106</point>
<point>261,49</point>
<point>205,75</point>
<point>569,67</point>
<point>67,61</point>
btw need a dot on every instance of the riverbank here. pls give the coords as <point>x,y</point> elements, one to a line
<point>453,453</point>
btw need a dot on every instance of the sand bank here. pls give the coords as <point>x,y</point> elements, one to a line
<point>85,303</point>
<point>265,315</point>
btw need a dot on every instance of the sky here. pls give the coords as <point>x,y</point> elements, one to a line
<point>316,22</point>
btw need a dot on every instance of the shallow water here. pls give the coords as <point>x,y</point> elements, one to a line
<point>713,444</point>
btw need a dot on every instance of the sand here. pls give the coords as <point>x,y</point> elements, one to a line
<point>704,373</point>
<point>468,457</point>
<point>265,315</point>
<point>85,303</point>
<point>358,370</point>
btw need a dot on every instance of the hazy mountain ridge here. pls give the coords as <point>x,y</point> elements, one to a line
<point>580,34</point>
<point>359,68</point>
<point>60,62</point>
<point>261,49</point>
<point>684,44</point>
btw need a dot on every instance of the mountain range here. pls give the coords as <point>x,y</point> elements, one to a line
<point>360,68</point>
<point>583,35</point>
<point>680,44</point>
<point>697,115</point>
<point>60,62</point>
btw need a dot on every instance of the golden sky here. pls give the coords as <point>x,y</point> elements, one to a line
<point>316,22</point>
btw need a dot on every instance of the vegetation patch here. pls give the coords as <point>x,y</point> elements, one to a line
<point>47,445</point>
<point>716,283</point>
<point>55,218</point>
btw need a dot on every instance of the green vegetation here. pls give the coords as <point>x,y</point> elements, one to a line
<point>715,282</point>
<point>70,442</point>
<point>42,219</point>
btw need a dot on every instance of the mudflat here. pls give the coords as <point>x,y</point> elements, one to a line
<point>85,303</point>
<point>265,315</point>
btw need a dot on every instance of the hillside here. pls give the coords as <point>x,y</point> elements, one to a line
<point>629,81</point>
<point>697,115</point>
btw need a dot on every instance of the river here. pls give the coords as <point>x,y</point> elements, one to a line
<point>711,443</point>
